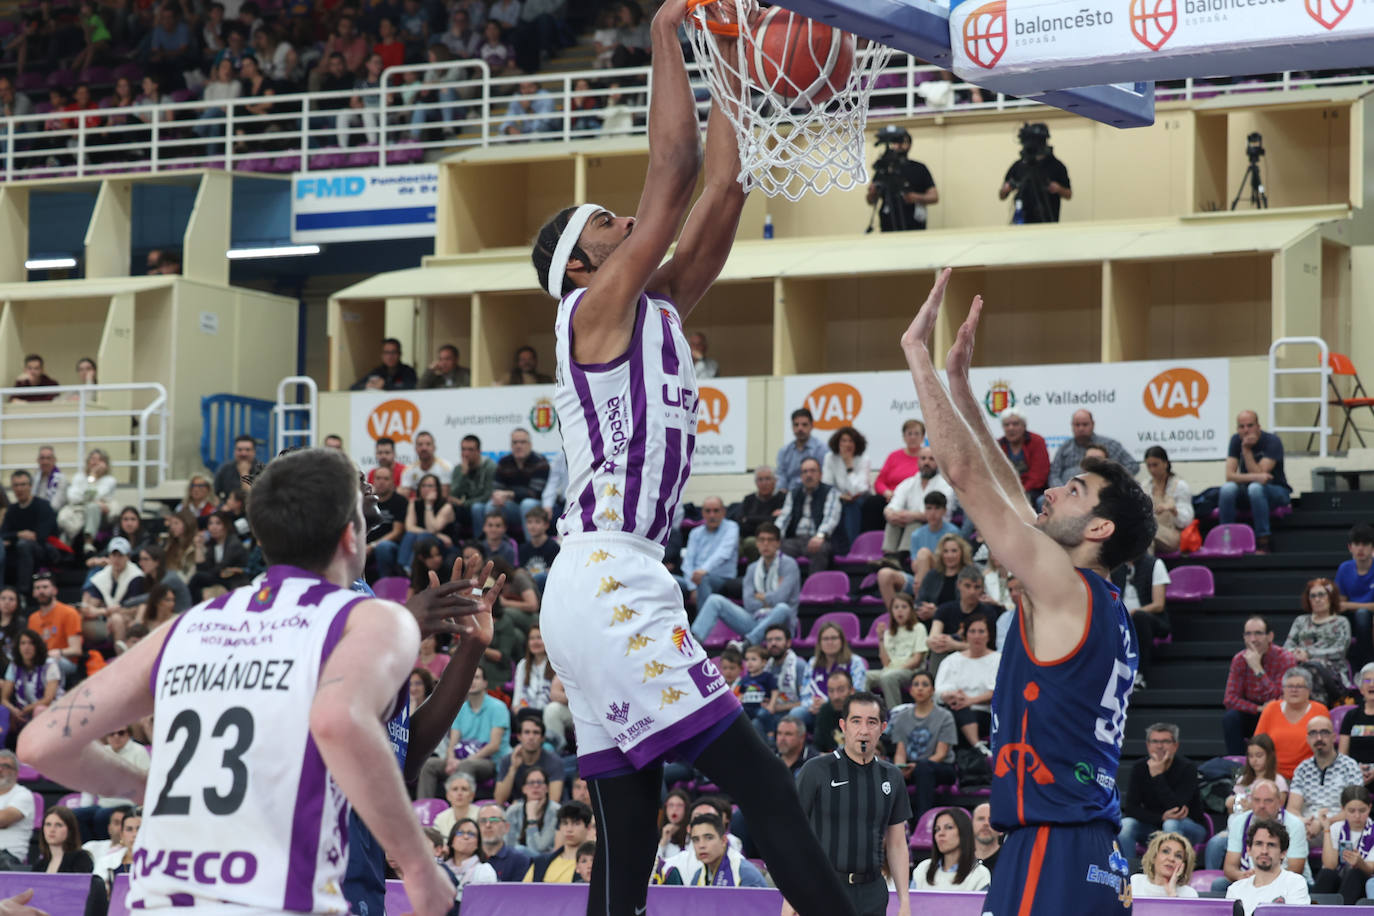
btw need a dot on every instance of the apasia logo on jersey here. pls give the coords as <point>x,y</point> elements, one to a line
<point>1000,397</point>
<point>543,417</point>
<point>397,419</point>
<point>1329,13</point>
<point>834,405</point>
<point>985,34</point>
<point>712,408</point>
<point>1176,393</point>
<point>1153,21</point>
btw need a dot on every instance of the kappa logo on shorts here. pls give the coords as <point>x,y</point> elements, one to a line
<point>611,490</point>
<point>619,714</point>
<point>598,556</point>
<point>623,613</point>
<point>683,641</point>
<point>707,677</point>
<point>638,642</point>
<point>609,515</point>
<point>653,670</point>
<point>608,585</point>
<point>669,696</point>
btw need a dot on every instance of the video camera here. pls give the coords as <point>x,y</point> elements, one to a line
<point>1254,147</point>
<point>1035,141</point>
<point>887,171</point>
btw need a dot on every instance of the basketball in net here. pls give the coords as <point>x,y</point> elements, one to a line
<point>797,59</point>
<point>796,92</point>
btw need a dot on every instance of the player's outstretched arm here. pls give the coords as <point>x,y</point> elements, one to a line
<point>957,364</point>
<point>430,723</point>
<point>605,315</point>
<point>1041,564</point>
<point>62,743</point>
<point>710,231</point>
<point>357,688</point>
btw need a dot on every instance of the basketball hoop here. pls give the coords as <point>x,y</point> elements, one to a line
<point>796,91</point>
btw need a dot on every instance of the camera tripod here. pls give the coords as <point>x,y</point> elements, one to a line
<point>1258,199</point>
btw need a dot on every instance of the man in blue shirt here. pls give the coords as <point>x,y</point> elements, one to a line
<point>476,743</point>
<point>523,109</point>
<point>509,862</point>
<point>771,591</point>
<point>1355,579</point>
<point>926,539</point>
<point>712,555</point>
<point>1254,476</point>
<point>804,445</point>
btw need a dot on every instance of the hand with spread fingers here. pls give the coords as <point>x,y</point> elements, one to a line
<point>439,608</point>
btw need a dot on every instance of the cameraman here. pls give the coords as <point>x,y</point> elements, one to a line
<point>904,187</point>
<point>1039,180</point>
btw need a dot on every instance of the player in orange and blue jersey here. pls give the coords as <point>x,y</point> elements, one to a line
<point>1069,663</point>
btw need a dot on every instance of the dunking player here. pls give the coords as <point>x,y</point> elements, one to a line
<point>639,686</point>
<point>1067,668</point>
<point>269,704</point>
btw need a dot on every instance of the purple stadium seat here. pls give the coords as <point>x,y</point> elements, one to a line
<point>846,621</point>
<point>923,835</point>
<point>29,82</point>
<point>129,71</point>
<point>1227,541</point>
<point>286,164</point>
<point>1190,583</point>
<point>1202,879</point>
<point>98,76</point>
<point>866,547</point>
<point>875,634</point>
<point>70,800</point>
<point>361,160</point>
<point>42,107</point>
<point>259,164</point>
<point>392,588</point>
<point>28,773</point>
<point>328,161</point>
<point>427,809</point>
<point>182,95</point>
<point>63,79</point>
<point>1339,713</point>
<point>720,634</point>
<point>869,581</point>
<point>404,154</point>
<point>826,587</point>
<point>1244,514</point>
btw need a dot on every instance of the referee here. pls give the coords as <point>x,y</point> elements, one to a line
<point>858,807</point>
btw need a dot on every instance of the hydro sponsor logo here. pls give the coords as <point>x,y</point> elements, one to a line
<point>707,677</point>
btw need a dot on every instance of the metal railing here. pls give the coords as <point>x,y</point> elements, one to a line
<point>421,111</point>
<point>296,422</point>
<point>1320,428</point>
<point>80,407</point>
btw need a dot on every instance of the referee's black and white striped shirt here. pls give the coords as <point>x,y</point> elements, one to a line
<point>850,806</point>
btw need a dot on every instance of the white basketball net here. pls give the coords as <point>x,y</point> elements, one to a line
<point>792,139</point>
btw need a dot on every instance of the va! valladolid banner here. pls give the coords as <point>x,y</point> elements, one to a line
<point>1180,405</point>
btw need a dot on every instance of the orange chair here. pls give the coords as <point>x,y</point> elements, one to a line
<point>1358,398</point>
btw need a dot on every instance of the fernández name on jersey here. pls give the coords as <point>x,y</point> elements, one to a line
<point>255,674</point>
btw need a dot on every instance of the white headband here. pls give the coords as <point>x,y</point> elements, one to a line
<point>571,233</point>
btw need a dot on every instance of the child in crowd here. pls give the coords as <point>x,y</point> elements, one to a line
<point>729,662</point>
<point>1348,849</point>
<point>758,690</point>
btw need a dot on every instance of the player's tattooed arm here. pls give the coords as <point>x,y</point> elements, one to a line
<point>63,741</point>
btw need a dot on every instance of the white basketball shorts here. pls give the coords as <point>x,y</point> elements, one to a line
<point>639,686</point>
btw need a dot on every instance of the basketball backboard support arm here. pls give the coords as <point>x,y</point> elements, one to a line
<point>921,28</point>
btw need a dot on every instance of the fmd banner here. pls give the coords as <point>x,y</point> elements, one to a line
<point>364,204</point>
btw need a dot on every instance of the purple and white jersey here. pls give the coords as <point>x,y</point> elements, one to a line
<point>240,814</point>
<point>629,426</point>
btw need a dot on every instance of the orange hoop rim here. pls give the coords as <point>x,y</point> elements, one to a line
<point>729,29</point>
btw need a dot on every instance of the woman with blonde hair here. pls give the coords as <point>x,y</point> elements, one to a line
<point>1165,868</point>
<point>939,586</point>
<point>90,500</point>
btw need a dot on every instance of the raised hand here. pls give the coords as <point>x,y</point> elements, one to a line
<point>960,355</point>
<point>478,625</point>
<point>918,333</point>
<point>438,608</point>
